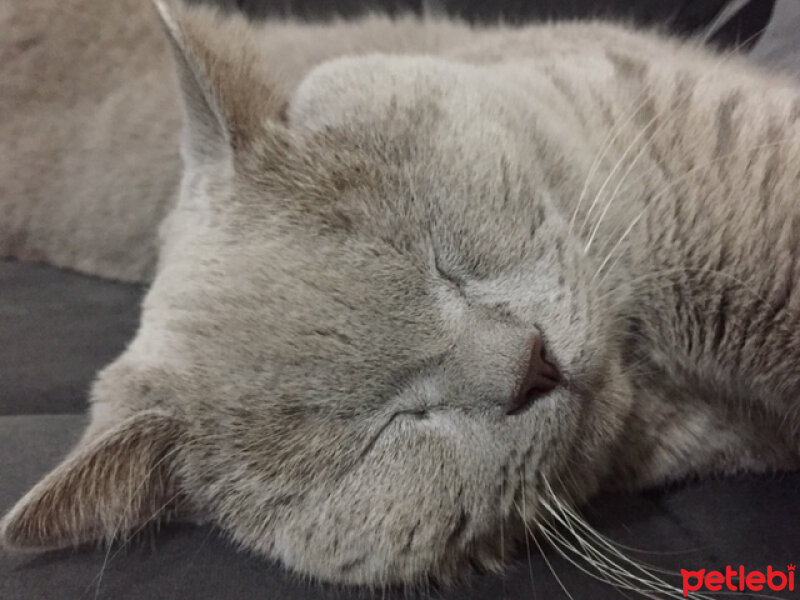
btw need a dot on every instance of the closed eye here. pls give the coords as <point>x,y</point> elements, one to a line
<point>451,279</point>
<point>415,414</point>
<point>444,273</point>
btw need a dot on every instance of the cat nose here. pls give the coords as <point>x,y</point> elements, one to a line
<point>540,376</point>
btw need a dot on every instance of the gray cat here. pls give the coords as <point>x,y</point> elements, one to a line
<point>423,286</point>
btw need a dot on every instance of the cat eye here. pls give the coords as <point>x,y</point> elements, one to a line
<point>446,275</point>
<point>416,414</point>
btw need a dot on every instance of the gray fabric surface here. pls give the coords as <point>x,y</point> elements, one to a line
<point>56,332</point>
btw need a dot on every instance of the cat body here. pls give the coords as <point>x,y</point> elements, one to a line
<point>373,221</point>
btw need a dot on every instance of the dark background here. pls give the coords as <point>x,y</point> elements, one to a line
<point>681,16</point>
<point>58,328</point>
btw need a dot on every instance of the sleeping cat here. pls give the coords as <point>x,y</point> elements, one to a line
<point>423,287</point>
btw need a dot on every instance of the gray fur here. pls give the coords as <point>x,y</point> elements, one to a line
<point>362,247</point>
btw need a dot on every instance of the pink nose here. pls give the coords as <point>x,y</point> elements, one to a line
<point>540,377</point>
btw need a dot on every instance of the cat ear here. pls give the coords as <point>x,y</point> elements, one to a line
<point>105,488</point>
<point>227,100</point>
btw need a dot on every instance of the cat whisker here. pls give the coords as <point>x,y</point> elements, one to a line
<point>117,528</point>
<point>655,582</point>
<point>125,541</point>
<point>616,573</point>
<point>605,570</point>
<point>615,168</point>
<point>716,272</point>
<point>617,130</point>
<point>502,527</point>
<point>569,513</point>
<point>618,244</point>
<point>544,556</point>
<point>725,15</point>
<point>121,525</point>
<point>564,548</point>
<point>666,115</point>
<point>567,505</point>
<point>669,115</point>
<point>613,574</point>
<point>612,136</point>
<point>524,516</point>
<point>565,513</point>
<point>700,167</point>
<point>615,193</point>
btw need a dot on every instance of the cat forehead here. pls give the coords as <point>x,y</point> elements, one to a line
<point>366,88</point>
<point>451,128</point>
<point>464,121</point>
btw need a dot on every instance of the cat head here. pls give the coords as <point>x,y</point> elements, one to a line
<point>340,359</point>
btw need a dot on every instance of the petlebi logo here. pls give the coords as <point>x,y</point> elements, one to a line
<point>738,580</point>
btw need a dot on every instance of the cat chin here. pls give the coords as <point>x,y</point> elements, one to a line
<point>447,556</point>
<point>492,552</point>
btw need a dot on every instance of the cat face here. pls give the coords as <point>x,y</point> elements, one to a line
<point>349,294</point>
